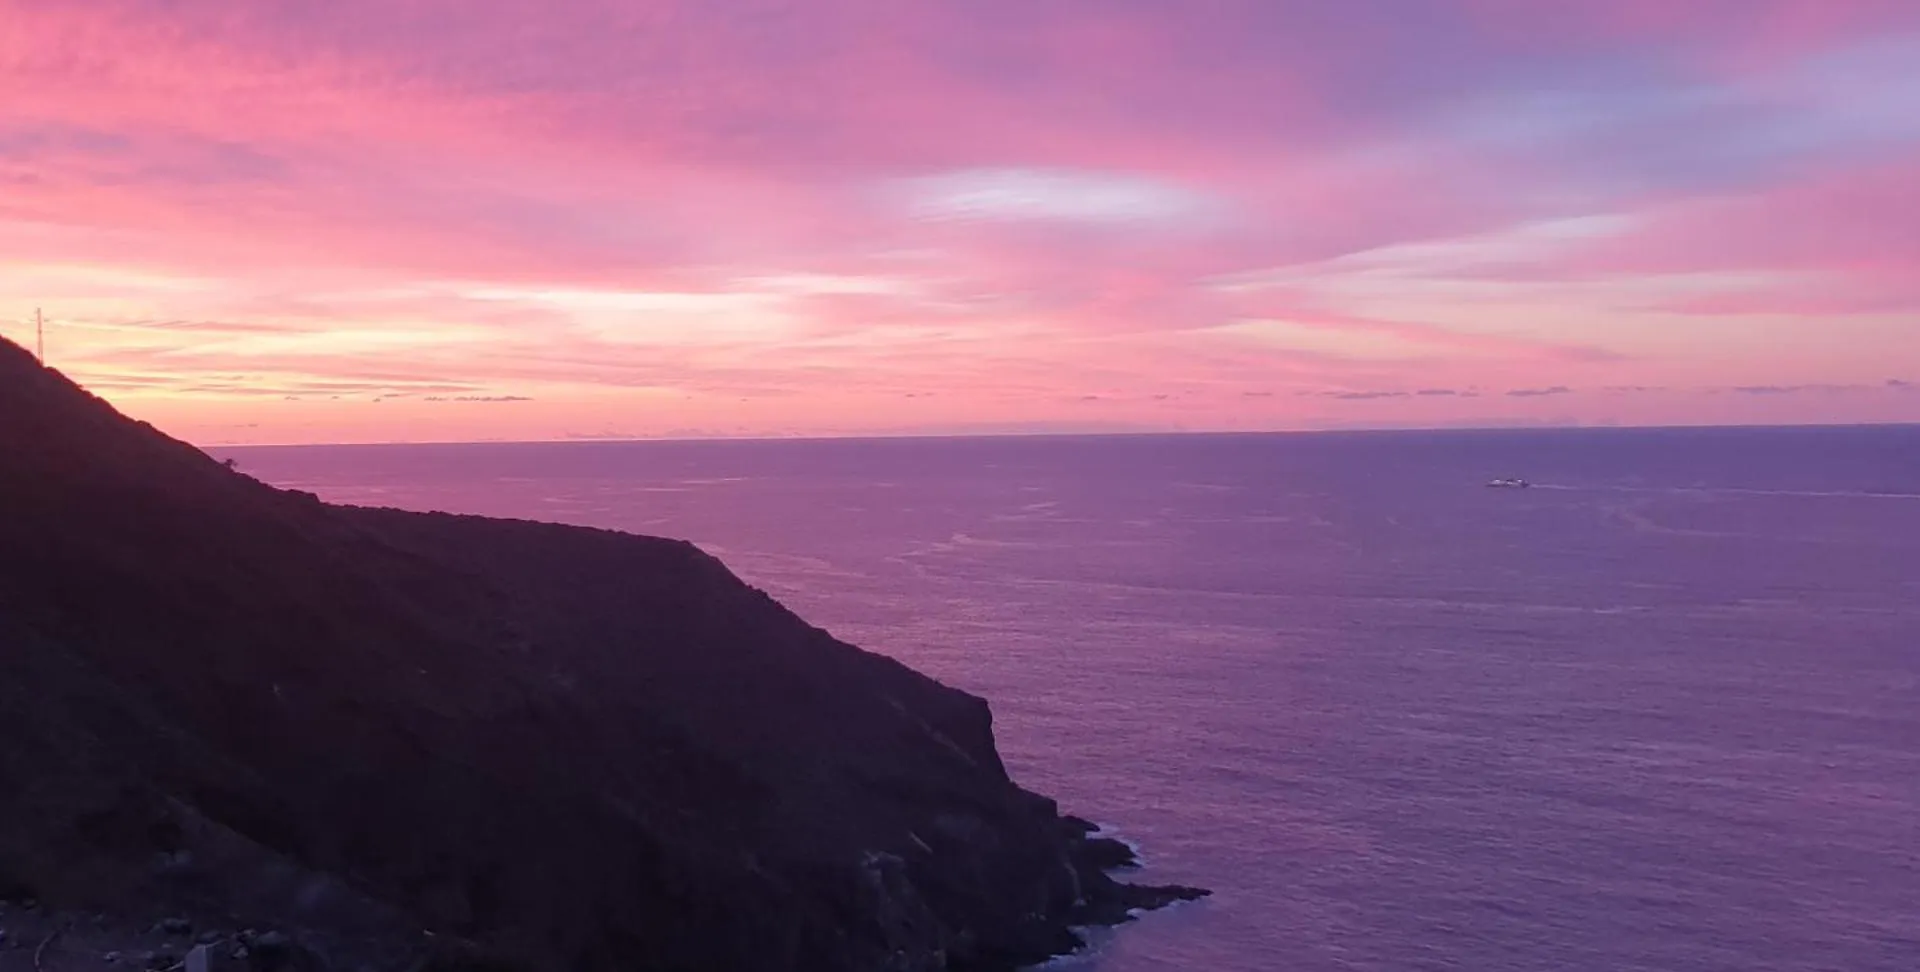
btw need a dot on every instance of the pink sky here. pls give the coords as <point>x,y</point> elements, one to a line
<point>393,220</point>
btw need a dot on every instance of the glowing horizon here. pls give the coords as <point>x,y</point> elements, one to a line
<point>442,221</point>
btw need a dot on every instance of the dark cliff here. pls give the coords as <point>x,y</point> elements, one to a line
<point>556,748</point>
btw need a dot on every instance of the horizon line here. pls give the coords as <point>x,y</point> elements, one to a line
<point>1133,434</point>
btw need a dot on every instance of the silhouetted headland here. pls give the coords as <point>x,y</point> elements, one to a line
<point>397,738</point>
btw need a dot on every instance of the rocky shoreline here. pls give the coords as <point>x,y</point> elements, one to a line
<point>37,938</point>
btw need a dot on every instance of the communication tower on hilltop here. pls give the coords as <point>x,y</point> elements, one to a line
<point>39,336</point>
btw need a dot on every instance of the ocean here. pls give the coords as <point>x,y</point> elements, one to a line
<point>1660,712</point>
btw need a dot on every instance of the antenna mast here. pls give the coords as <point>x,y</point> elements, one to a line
<point>39,336</point>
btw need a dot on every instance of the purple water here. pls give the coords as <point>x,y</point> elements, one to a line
<point>1661,712</point>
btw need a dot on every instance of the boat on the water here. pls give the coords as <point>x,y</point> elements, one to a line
<point>1509,484</point>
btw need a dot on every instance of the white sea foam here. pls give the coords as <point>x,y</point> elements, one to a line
<point>1107,833</point>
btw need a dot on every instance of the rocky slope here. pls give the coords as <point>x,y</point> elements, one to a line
<point>480,741</point>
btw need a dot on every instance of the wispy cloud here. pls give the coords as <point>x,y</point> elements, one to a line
<point>1796,389</point>
<point>1364,396</point>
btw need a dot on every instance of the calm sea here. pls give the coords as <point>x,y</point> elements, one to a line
<point>1661,712</point>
